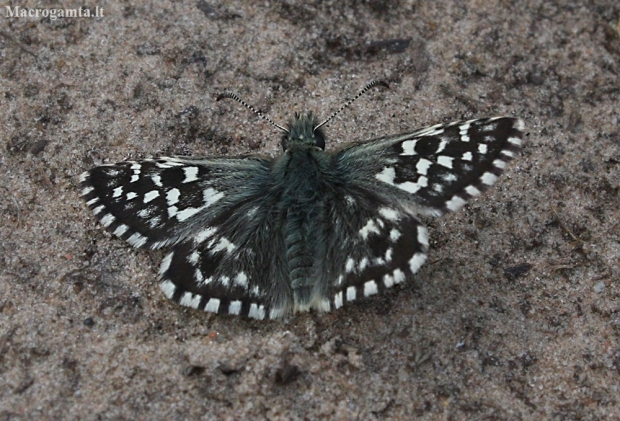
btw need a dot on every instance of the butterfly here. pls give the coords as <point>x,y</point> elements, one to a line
<point>310,229</point>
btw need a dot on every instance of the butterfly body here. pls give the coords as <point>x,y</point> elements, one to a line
<point>311,229</point>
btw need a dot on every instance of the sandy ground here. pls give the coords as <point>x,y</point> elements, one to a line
<point>515,316</point>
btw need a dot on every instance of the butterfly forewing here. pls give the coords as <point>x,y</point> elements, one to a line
<point>439,168</point>
<point>159,202</point>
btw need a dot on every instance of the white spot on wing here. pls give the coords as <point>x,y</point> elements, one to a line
<point>369,228</point>
<point>339,280</point>
<point>204,234</point>
<point>137,240</point>
<point>257,312</point>
<point>193,258</point>
<point>349,265</point>
<point>467,156</point>
<point>190,300</point>
<point>410,187</point>
<point>482,148</point>
<point>338,300</point>
<point>449,178</point>
<point>498,163</point>
<point>213,305</point>
<point>117,192</point>
<point>488,178</point>
<point>131,195</point>
<point>274,313</point>
<point>120,230</point>
<point>409,147</point>
<point>107,220</point>
<point>388,280</point>
<point>515,141</point>
<point>172,196</point>
<point>224,280</point>
<point>351,293</point>
<point>455,203</point>
<point>152,195</point>
<point>463,129</point>
<point>395,235</point>
<point>387,175</point>
<point>399,276</point>
<point>145,213</point>
<point>489,127</point>
<point>185,213</point>
<point>370,288</point>
<point>472,191</point>
<point>200,278</point>
<point>445,161</point>
<point>389,214</point>
<point>416,261</point>
<point>156,180</point>
<point>323,305</point>
<point>422,166</point>
<point>423,236</point>
<point>191,174</point>
<point>520,125</point>
<point>168,288</point>
<point>234,307</point>
<point>223,244</point>
<point>165,263</point>
<point>211,196</point>
<point>241,280</point>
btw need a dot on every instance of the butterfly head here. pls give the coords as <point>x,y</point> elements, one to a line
<point>303,130</point>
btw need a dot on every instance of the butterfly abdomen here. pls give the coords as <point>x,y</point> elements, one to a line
<point>303,211</point>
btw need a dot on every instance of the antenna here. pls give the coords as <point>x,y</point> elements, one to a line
<point>362,92</point>
<point>249,107</point>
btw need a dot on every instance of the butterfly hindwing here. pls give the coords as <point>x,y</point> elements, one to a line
<point>371,245</point>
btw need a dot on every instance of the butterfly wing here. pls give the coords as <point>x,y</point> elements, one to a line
<point>376,240</point>
<point>371,244</point>
<point>217,216</point>
<point>159,202</point>
<point>436,169</point>
<point>234,265</point>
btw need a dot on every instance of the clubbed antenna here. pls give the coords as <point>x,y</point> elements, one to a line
<point>362,92</point>
<point>249,107</point>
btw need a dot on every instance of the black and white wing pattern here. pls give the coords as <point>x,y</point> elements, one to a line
<point>311,229</point>
<point>390,180</point>
<point>213,213</point>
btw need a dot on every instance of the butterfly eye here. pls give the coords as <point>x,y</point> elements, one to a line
<point>319,139</point>
<point>284,143</point>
